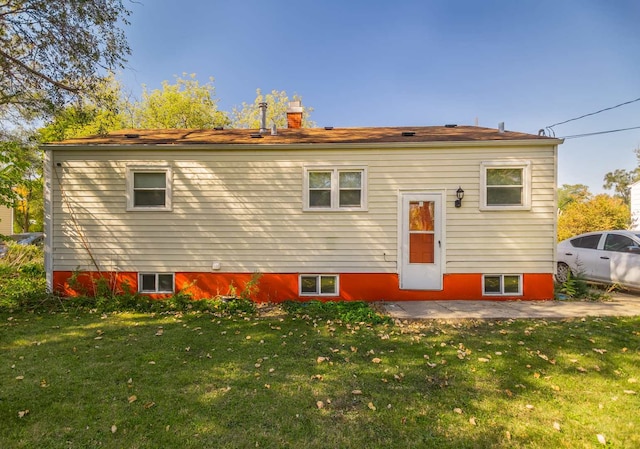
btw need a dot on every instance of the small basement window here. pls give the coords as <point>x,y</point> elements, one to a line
<point>502,285</point>
<point>319,285</point>
<point>149,188</point>
<point>155,283</point>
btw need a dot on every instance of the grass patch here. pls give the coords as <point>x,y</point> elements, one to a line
<point>194,380</point>
<point>345,311</point>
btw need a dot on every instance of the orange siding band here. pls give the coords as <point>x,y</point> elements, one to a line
<point>274,287</point>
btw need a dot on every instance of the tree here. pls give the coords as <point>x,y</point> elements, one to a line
<point>570,193</point>
<point>620,181</point>
<point>597,214</point>
<point>104,111</point>
<point>53,50</point>
<point>185,104</point>
<point>248,116</point>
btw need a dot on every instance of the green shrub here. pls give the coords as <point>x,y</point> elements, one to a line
<point>346,311</point>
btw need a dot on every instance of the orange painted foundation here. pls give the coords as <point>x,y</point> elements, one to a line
<point>275,287</point>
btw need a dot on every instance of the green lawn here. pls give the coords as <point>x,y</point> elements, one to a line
<point>279,381</point>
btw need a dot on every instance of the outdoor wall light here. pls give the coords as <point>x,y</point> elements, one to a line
<point>459,196</point>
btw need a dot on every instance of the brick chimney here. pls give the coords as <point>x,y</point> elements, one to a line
<point>294,115</point>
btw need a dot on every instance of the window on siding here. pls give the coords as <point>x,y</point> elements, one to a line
<point>149,188</point>
<point>319,285</point>
<point>505,185</point>
<point>155,283</point>
<point>502,284</point>
<point>335,188</point>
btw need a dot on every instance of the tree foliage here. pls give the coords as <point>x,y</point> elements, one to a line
<point>248,115</point>
<point>52,50</point>
<point>185,104</point>
<point>570,193</point>
<point>105,111</point>
<point>620,181</point>
<point>598,213</point>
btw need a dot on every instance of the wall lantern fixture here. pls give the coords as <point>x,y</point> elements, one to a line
<point>459,196</point>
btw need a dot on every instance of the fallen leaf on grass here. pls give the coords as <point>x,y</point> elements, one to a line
<point>629,392</point>
<point>556,425</point>
<point>602,439</point>
<point>472,421</point>
<point>114,429</point>
<point>458,410</point>
<point>20,378</point>
<point>133,398</point>
<point>159,332</point>
<point>376,360</point>
<point>483,359</point>
<point>599,351</point>
<point>321,359</point>
<point>529,407</point>
<point>148,405</point>
<point>356,392</point>
<point>320,405</point>
<point>23,413</point>
<point>371,406</point>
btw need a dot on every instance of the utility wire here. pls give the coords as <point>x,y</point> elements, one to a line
<point>593,113</point>
<point>599,132</point>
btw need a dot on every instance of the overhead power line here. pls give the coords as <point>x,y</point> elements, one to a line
<point>593,113</point>
<point>599,132</point>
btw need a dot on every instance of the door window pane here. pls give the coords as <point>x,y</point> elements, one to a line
<point>421,216</point>
<point>421,248</point>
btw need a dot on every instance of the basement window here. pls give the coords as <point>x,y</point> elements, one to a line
<point>149,188</point>
<point>155,283</point>
<point>319,285</point>
<point>502,285</point>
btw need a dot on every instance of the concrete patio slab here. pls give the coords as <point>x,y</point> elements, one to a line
<point>621,304</point>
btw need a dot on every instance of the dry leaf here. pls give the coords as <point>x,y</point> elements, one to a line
<point>20,378</point>
<point>159,332</point>
<point>483,360</point>
<point>602,439</point>
<point>629,392</point>
<point>529,407</point>
<point>133,398</point>
<point>556,425</point>
<point>458,410</point>
<point>321,359</point>
<point>149,404</point>
<point>320,404</point>
<point>23,413</point>
<point>356,392</point>
<point>371,406</point>
<point>472,421</point>
<point>599,351</point>
<point>376,360</point>
<point>114,429</point>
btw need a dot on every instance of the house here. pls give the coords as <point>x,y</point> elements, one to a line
<point>395,213</point>
<point>6,220</point>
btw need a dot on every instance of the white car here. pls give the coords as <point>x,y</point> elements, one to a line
<point>611,257</point>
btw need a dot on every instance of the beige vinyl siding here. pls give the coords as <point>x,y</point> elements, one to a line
<point>243,208</point>
<point>6,220</point>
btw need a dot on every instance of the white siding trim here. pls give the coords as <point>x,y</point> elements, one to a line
<point>48,217</point>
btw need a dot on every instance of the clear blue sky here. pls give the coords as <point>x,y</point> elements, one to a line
<point>528,63</point>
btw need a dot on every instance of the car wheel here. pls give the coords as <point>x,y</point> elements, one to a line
<point>562,272</point>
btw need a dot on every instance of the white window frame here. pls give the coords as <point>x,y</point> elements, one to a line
<point>502,292</point>
<point>168,171</point>
<point>335,187</point>
<point>525,166</point>
<point>157,283</point>
<point>319,284</point>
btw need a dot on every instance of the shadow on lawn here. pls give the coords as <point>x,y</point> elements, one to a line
<point>202,381</point>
